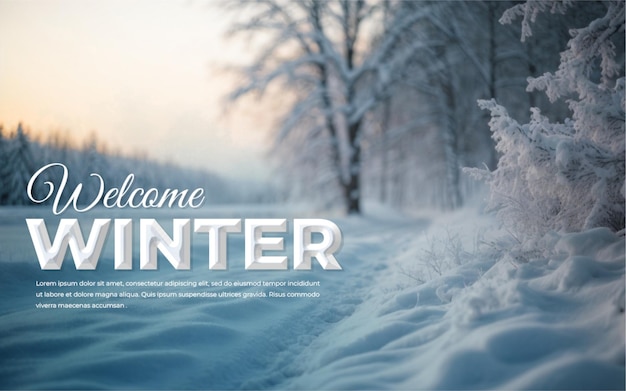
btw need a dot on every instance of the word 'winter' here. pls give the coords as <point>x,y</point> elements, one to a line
<point>114,197</point>
<point>177,249</point>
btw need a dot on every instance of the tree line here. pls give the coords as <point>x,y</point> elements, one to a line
<point>383,94</point>
<point>21,155</point>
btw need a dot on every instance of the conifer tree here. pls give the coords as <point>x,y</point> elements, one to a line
<point>20,168</point>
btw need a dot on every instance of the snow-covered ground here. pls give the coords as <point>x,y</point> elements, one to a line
<point>422,303</point>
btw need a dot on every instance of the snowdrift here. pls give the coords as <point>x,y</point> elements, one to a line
<point>555,321</point>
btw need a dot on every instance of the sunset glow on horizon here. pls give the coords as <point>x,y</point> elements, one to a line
<point>143,75</point>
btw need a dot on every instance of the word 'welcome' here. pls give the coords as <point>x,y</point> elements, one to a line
<point>113,197</point>
<point>177,248</point>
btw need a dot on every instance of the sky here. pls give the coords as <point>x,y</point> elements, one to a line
<point>144,75</point>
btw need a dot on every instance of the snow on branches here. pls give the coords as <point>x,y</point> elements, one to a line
<point>566,176</point>
<point>338,65</point>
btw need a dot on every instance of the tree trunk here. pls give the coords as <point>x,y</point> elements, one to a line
<point>492,160</point>
<point>385,150</point>
<point>450,138</point>
<point>352,188</point>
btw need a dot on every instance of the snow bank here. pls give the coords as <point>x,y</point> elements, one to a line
<point>555,321</point>
<point>550,323</point>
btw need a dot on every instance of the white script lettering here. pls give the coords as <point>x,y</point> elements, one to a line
<point>112,197</point>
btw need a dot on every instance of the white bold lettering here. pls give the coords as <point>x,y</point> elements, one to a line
<point>176,250</point>
<point>51,256</point>
<point>255,243</point>
<point>304,249</point>
<point>217,229</point>
<point>123,229</point>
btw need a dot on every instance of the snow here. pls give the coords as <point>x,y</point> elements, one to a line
<point>489,321</point>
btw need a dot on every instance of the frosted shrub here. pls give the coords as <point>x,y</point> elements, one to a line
<point>439,253</point>
<point>565,176</point>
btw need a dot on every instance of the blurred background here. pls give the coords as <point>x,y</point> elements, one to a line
<point>330,103</point>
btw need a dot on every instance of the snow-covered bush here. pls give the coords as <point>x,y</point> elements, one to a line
<point>565,176</point>
<point>439,252</point>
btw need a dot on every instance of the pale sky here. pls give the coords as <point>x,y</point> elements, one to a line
<point>143,74</point>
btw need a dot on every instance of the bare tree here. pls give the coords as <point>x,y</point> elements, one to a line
<point>322,52</point>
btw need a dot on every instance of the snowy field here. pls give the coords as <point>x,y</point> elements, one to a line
<point>421,303</point>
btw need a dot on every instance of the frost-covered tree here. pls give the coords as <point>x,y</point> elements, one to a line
<point>323,52</point>
<point>20,167</point>
<point>21,156</point>
<point>93,161</point>
<point>566,175</point>
<point>4,167</point>
<point>432,127</point>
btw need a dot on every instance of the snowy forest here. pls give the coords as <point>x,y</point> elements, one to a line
<point>411,104</point>
<point>382,102</point>
<point>21,154</point>
<point>470,153</point>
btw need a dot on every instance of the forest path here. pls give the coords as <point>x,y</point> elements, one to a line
<point>174,343</point>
